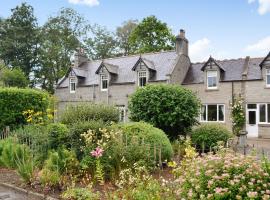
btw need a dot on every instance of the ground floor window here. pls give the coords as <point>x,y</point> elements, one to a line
<point>122,113</point>
<point>264,113</point>
<point>213,113</point>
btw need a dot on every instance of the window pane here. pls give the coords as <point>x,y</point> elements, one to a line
<point>262,113</point>
<point>212,81</point>
<point>104,84</point>
<point>203,113</point>
<point>268,113</point>
<point>221,112</point>
<point>268,79</point>
<point>252,117</point>
<point>142,81</point>
<point>212,112</point>
<point>252,106</point>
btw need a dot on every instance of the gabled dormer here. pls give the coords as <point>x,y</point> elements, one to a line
<point>145,71</point>
<point>76,76</point>
<point>265,67</point>
<point>107,73</point>
<point>213,73</point>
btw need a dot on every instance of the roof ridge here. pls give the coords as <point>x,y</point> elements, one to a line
<point>230,59</point>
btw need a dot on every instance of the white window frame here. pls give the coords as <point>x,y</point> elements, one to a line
<point>142,74</point>
<point>104,77</point>
<point>122,110</point>
<point>72,80</point>
<point>206,110</point>
<point>267,73</point>
<point>266,113</point>
<point>211,74</point>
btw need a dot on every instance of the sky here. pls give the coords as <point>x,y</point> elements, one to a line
<point>224,29</point>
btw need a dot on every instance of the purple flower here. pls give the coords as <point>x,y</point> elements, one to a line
<point>97,153</point>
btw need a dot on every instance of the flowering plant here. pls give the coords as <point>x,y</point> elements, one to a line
<point>97,153</point>
<point>238,115</point>
<point>39,117</point>
<point>99,174</point>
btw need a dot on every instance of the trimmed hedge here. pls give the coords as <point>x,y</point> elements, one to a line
<point>150,134</point>
<point>14,101</point>
<point>88,112</point>
<point>209,134</point>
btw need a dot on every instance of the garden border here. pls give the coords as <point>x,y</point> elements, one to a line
<point>27,192</point>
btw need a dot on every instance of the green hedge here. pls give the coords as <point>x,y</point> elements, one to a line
<point>14,101</point>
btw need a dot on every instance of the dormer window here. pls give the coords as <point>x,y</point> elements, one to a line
<point>142,78</point>
<point>104,82</point>
<point>211,79</point>
<point>267,77</point>
<point>72,84</point>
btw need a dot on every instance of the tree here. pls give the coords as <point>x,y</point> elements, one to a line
<point>172,108</point>
<point>151,35</point>
<point>61,36</point>
<point>123,33</point>
<point>102,44</point>
<point>13,78</point>
<point>19,39</point>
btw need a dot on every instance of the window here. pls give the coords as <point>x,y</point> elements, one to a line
<point>72,85</point>
<point>104,82</point>
<point>264,113</point>
<point>212,79</point>
<point>268,77</point>
<point>213,113</point>
<point>122,113</point>
<point>142,78</point>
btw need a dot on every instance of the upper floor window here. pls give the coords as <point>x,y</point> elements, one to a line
<point>212,80</point>
<point>142,78</point>
<point>268,77</point>
<point>72,85</point>
<point>104,82</point>
<point>213,113</point>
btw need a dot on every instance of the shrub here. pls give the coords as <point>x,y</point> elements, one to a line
<point>57,135</point>
<point>80,194</point>
<point>49,178</point>
<point>14,101</point>
<point>14,78</point>
<point>225,175</point>
<point>209,134</point>
<point>171,108</point>
<point>149,135</point>
<point>89,111</point>
<point>75,141</point>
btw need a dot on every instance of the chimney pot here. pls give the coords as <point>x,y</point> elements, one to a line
<point>182,33</point>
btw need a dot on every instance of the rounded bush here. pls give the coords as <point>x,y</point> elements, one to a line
<point>57,135</point>
<point>149,135</point>
<point>208,135</point>
<point>172,108</point>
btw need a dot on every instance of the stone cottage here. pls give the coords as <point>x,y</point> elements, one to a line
<point>113,80</point>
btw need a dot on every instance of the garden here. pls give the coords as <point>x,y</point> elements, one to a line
<point>86,153</point>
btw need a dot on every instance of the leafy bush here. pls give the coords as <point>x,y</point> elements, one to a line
<point>80,194</point>
<point>49,178</point>
<point>225,175</point>
<point>149,135</point>
<point>57,135</point>
<point>75,141</point>
<point>14,78</point>
<point>172,108</point>
<point>87,112</point>
<point>209,134</point>
<point>14,101</point>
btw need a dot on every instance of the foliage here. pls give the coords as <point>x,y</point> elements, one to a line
<point>57,135</point>
<point>225,175</point>
<point>151,35</point>
<point>77,129</point>
<point>123,34</point>
<point>49,178</point>
<point>102,45</point>
<point>149,135</point>
<point>60,37</point>
<point>39,117</point>
<point>87,112</point>
<point>14,101</point>
<point>19,36</point>
<point>172,108</point>
<point>13,78</point>
<point>80,194</point>
<point>209,135</point>
<point>238,115</point>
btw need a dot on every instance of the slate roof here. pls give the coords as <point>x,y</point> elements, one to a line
<point>233,70</point>
<point>164,62</point>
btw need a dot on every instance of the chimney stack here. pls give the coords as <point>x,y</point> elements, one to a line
<point>181,43</point>
<point>80,57</point>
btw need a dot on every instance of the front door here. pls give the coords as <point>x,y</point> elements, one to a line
<point>252,120</point>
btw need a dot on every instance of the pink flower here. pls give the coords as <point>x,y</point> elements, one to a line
<point>97,153</point>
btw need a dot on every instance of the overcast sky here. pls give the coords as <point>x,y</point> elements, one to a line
<point>221,28</point>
